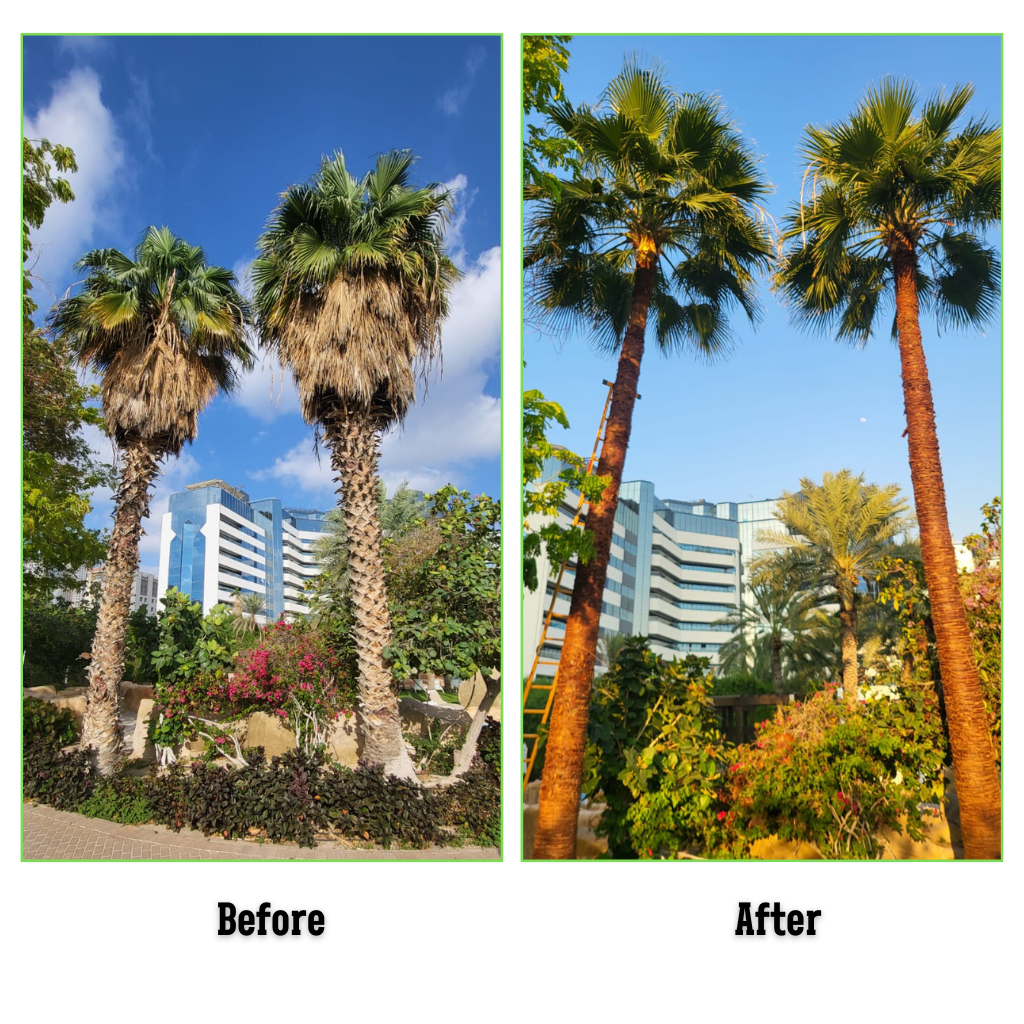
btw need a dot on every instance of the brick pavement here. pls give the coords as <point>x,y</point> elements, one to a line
<point>59,835</point>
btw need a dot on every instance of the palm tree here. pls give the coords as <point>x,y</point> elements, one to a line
<point>164,330</point>
<point>833,535</point>
<point>893,220</point>
<point>247,609</point>
<point>662,219</point>
<point>780,620</point>
<point>351,288</point>
<point>609,647</point>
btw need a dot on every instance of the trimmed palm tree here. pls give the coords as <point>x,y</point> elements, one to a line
<point>662,225</point>
<point>897,202</point>
<point>779,620</point>
<point>352,284</point>
<point>832,536</point>
<point>164,331</point>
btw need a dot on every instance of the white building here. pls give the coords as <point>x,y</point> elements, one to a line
<point>216,543</point>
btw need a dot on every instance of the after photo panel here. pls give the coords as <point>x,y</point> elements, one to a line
<point>761,610</point>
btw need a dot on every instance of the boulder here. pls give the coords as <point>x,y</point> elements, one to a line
<point>42,692</point>
<point>74,704</point>
<point>132,694</point>
<point>471,692</point>
<point>270,733</point>
<point>73,691</point>
<point>142,745</point>
<point>345,741</point>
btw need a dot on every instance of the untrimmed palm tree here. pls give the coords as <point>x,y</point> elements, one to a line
<point>352,285</point>
<point>661,225</point>
<point>832,536</point>
<point>164,330</point>
<point>609,647</point>
<point>897,200</point>
<point>780,619</point>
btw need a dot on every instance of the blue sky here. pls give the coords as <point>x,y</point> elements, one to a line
<point>786,404</point>
<point>202,134</point>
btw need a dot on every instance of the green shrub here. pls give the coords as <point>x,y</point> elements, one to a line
<point>55,636</point>
<point>122,799</point>
<point>821,773</point>
<point>655,751</point>
<point>43,722</point>
<point>473,804</point>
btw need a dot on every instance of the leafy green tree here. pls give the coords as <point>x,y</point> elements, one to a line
<point>165,332</point>
<point>58,470</point>
<point>899,198</point>
<point>655,752</point>
<point>446,604</point>
<point>56,635</point>
<point>541,500</point>
<point>662,221</point>
<point>141,642</point>
<point>831,536</point>
<point>352,288</point>
<point>545,58</point>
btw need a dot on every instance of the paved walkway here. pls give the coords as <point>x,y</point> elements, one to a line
<point>60,835</point>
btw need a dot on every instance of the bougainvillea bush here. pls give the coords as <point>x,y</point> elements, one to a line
<point>656,753</point>
<point>292,673</point>
<point>821,774</point>
<point>983,598</point>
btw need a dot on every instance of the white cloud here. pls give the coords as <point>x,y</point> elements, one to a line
<point>464,197</point>
<point>77,117</point>
<point>455,422</point>
<point>84,47</point>
<point>452,100</point>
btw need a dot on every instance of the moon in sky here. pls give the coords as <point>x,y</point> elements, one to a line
<point>863,419</point>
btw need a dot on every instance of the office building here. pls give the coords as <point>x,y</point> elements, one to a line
<point>144,589</point>
<point>216,543</point>
<point>677,569</point>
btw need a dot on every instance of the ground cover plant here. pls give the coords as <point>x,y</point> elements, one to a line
<point>300,796</point>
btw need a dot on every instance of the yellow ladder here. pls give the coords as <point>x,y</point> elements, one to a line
<point>532,739</point>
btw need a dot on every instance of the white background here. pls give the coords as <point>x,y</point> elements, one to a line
<point>511,941</point>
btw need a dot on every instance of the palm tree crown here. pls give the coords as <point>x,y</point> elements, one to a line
<point>165,331</point>
<point>886,184</point>
<point>352,285</point>
<point>666,181</point>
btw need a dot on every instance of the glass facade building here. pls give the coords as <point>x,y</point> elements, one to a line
<point>216,543</point>
<point>677,568</point>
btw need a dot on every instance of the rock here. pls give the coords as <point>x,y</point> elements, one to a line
<point>471,692</point>
<point>133,693</point>
<point>42,692</point>
<point>74,704</point>
<point>270,733</point>
<point>73,691</point>
<point>142,745</point>
<point>345,742</point>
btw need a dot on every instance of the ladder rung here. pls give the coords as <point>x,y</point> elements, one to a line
<point>559,615</point>
<point>533,711</point>
<point>541,662</point>
<point>542,686</point>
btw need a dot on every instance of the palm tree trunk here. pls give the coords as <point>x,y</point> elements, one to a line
<point>777,665</point>
<point>353,439</point>
<point>977,778</point>
<point>848,633</point>
<point>559,801</point>
<point>101,729</point>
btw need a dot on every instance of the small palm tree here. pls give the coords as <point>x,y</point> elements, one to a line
<point>352,285</point>
<point>780,621</point>
<point>833,535</point>
<point>249,607</point>
<point>893,221</point>
<point>164,330</point>
<point>609,647</point>
<point>661,224</point>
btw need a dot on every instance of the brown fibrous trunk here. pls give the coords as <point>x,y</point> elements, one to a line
<point>101,729</point>
<point>354,441</point>
<point>848,634</point>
